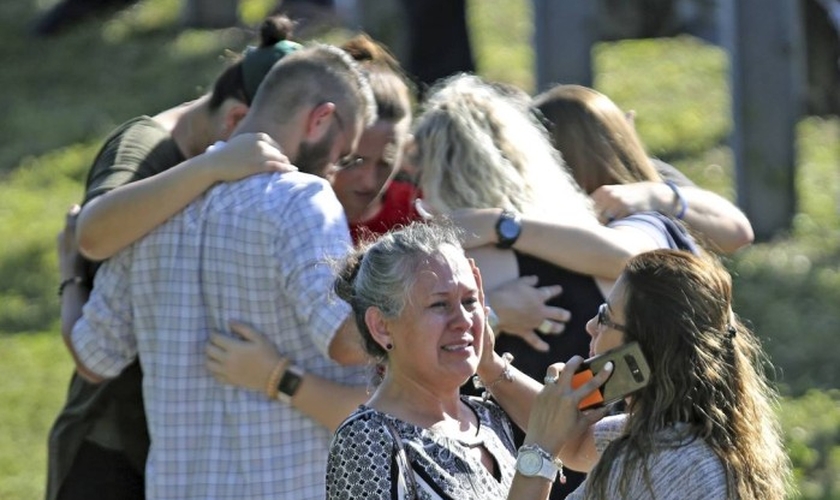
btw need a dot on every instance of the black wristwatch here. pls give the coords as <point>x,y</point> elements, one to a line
<point>289,384</point>
<point>508,228</point>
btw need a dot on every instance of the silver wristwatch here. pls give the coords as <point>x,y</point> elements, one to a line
<point>532,461</point>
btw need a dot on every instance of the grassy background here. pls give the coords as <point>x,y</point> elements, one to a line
<point>62,95</point>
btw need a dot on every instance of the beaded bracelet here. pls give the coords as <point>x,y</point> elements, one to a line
<point>679,198</point>
<point>506,375</point>
<point>271,384</point>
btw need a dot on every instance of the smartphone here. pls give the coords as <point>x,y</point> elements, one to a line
<point>631,372</point>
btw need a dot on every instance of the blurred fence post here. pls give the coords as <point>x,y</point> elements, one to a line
<point>765,47</point>
<point>209,13</point>
<point>765,43</point>
<point>564,33</point>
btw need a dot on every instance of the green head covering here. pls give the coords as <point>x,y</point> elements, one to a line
<point>258,61</point>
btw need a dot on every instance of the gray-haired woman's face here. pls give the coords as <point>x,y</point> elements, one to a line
<point>437,340</point>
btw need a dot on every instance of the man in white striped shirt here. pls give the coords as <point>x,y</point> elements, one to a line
<point>256,250</point>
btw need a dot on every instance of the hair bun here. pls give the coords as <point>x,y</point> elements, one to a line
<point>274,45</point>
<point>363,48</point>
<point>275,29</point>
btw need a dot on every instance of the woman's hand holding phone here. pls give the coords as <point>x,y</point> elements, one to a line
<point>630,373</point>
<point>556,417</point>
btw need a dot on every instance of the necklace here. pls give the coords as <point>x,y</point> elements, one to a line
<point>472,442</point>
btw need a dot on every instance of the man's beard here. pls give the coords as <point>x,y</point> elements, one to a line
<point>314,158</point>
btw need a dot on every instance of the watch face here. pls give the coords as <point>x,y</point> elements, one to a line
<point>529,463</point>
<point>508,229</point>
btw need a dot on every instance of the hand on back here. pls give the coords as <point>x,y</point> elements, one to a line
<point>615,201</point>
<point>248,154</point>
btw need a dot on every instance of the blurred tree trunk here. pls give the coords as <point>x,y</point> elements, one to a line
<point>209,13</point>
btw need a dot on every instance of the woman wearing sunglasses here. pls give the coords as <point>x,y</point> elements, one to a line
<point>704,428</point>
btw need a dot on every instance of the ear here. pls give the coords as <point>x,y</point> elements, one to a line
<point>234,113</point>
<point>378,326</point>
<point>319,121</point>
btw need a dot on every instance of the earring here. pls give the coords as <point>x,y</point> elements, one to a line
<point>389,346</point>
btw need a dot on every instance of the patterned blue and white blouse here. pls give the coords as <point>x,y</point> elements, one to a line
<point>363,461</point>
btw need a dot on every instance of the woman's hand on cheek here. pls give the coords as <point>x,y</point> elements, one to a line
<point>488,363</point>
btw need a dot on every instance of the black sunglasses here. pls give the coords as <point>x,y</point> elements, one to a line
<point>603,319</point>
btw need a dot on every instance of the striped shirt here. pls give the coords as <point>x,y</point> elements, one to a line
<point>682,468</point>
<point>256,250</point>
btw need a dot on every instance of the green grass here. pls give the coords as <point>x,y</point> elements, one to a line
<point>62,95</point>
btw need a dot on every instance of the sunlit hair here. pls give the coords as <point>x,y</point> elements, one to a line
<point>476,147</point>
<point>391,88</point>
<point>382,273</point>
<point>597,140</point>
<point>707,370</point>
<point>313,75</point>
<point>392,92</point>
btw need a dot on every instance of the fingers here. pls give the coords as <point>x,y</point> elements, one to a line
<point>552,373</point>
<point>70,218</point>
<point>557,314</point>
<point>477,274</point>
<point>245,331</point>
<point>215,353</point>
<point>609,208</point>
<point>262,136</point>
<point>282,166</point>
<point>534,340</point>
<point>608,215</point>
<point>551,327</point>
<point>554,322</point>
<point>221,341</point>
<point>595,414</point>
<point>549,292</point>
<point>72,214</point>
<point>529,281</point>
<point>216,370</point>
<point>562,373</point>
<point>571,366</point>
<point>594,383</point>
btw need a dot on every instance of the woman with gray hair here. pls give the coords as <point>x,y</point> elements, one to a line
<point>418,304</point>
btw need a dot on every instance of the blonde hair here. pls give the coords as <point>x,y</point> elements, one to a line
<point>478,148</point>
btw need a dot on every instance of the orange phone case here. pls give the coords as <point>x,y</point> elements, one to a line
<point>593,398</point>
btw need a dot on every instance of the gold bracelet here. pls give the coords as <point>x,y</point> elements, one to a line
<point>506,375</point>
<point>274,379</point>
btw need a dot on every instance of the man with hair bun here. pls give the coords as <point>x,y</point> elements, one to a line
<point>256,249</point>
<point>148,169</point>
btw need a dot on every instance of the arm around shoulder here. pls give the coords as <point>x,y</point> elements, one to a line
<point>346,346</point>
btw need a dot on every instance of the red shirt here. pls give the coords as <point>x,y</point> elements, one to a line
<point>397,210</point>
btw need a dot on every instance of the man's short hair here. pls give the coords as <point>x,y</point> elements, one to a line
<point>315,74</point>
